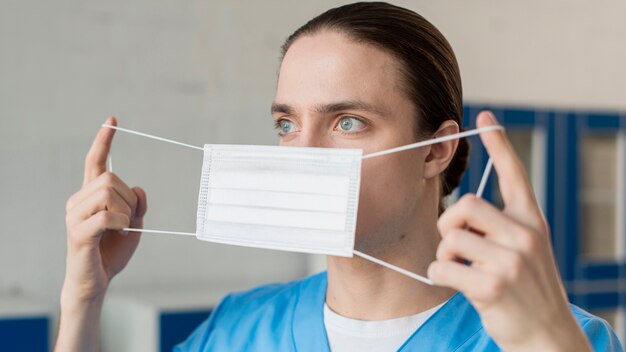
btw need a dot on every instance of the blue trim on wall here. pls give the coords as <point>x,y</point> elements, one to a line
<point>518,118</point>
<point>599,300</point>
<point>175,327</point>
<point>595,123</point>
<point>559,219</point>
<point>549,197</point>
<point>599,270</point>
<point>24,334</point>
<point>571,197</point>
<point>608,122</point>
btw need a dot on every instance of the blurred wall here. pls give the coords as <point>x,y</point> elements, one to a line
<point>205,72</point>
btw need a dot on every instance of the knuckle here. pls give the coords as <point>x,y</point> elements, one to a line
<point>447,219</point>
<point>448,244</point>
<point>446,247</point>
<point>108,177</point>
<point>69,204</point>
<point>528,242</point>
<point>68,219</point>
<point>469,201</point>
<point>455,237</point>
<point>71,201</point>
<point>494,288</point>
<point>103,219</point>
<point>107,194</point>
<point>539,224</point>
<point>442,222</point>
<point>442,250</point>
<point>436,271</point>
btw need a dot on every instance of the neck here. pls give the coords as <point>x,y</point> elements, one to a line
<point>363,290</point>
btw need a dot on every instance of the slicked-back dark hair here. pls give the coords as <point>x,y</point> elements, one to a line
<point>429,68</point>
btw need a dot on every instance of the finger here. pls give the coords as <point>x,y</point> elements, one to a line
<point>95,162</point>
<point>478,214</point>
<point>97,224</point>
<point>474,283</point>
<point>467,245</point>
<point>142,208</point>
<point>103,199</point>
<point>107,179</point>
<point>514,184</point>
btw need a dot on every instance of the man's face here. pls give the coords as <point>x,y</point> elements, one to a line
<point>335,92</point>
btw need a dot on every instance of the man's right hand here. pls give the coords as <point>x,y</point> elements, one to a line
<point>97,249</point>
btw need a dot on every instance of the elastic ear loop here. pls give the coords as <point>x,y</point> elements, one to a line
<point>479,192</point>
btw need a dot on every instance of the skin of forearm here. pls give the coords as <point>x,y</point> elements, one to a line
<point>565,335</point>
<point>79,324</point>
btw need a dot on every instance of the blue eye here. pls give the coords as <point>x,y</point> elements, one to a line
<point>285,126</point>
<point>350,124</point>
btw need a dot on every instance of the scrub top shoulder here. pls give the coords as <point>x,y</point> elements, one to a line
<point>289,317</point>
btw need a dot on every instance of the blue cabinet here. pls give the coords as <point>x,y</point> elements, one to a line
<point>25,325</point>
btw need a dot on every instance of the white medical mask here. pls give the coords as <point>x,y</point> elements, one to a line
<point>286,198</point>
<point>297,199</point>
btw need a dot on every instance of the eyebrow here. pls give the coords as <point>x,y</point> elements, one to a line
<point>331,108</point>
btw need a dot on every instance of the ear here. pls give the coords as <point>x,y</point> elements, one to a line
<point>441,154</point>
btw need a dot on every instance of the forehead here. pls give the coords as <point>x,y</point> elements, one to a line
<point>329,66</point>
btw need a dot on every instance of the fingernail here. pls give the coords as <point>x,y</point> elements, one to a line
<point>124,232</point>
<point>492,117</point>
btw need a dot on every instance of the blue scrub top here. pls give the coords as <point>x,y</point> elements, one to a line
<point>289,317</point>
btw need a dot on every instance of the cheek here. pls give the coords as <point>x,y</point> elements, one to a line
<point>390,189</point>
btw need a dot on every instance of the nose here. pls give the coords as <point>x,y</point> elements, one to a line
<point>311,138</point>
